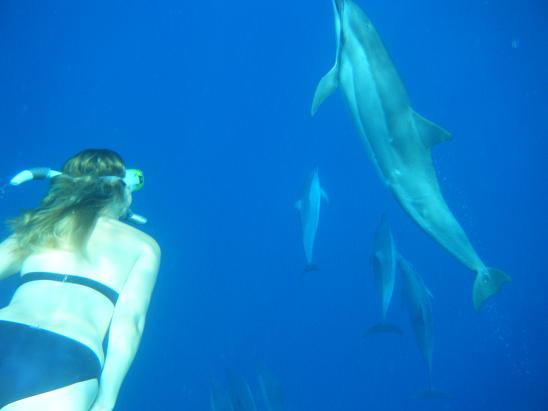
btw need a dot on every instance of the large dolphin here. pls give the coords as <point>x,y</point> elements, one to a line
<point>399,140</point>
<point>383,263</point>
<point>417,298</point>
<point>309,210</point>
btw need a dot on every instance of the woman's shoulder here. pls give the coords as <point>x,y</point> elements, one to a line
<point>118,230</point>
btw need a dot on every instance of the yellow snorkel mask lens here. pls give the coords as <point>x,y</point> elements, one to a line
<point>134,179</point>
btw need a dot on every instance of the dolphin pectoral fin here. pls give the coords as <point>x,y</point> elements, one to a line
<point>327,85</point>
<point>488,283</point>
<point>431,133</point>
<point>325,196</point>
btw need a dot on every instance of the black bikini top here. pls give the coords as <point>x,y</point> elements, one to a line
<point>73,279</point>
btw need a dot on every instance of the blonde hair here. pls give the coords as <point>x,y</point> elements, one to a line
<point>73,203</point>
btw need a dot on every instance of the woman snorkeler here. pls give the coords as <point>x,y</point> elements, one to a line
<point>83,273</point>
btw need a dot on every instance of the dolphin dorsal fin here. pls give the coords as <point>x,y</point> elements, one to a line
<point>431,133</point>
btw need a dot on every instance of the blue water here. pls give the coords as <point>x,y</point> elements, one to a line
<point>211,99</point>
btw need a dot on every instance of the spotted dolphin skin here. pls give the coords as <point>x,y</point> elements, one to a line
<point>309,210</point>
<point>398,140</point>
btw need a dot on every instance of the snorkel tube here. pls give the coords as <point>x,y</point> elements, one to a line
<point>134,218</point>
<point>37,173</point>
<point>133,179</point>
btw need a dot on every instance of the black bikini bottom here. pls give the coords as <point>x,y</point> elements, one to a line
<point>34,361</point>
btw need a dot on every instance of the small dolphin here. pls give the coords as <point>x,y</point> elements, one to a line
<point>309,210</point>
<point>398,139</point>
<point>240,393</point>
<point>383,262</point>
<point>271,390</point>
<point>417,298</point>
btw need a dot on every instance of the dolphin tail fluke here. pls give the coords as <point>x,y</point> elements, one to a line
<point>383,328</point>
<point>488,282</point>
<point>310,268</point>
<point>327,86</point>
<point>432,394</point>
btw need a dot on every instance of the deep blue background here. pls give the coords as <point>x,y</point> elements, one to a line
<point>211,99</point>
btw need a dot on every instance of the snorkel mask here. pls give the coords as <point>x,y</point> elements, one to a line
<point>133,179</point>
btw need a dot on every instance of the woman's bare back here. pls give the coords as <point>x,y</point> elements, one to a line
<point>74,310</point>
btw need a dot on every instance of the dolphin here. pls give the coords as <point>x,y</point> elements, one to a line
<point>417,298</point>
<point>383,262</point>
<point>309,209</point>
<point>271,390</point>
<point>240,393</point>
<point>398,140</point>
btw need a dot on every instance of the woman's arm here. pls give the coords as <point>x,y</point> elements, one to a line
<point>9,262</point>
<point>127,326</point>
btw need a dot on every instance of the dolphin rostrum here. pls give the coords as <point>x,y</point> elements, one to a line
<point>398,139</point>
<point>309,210</point>
<point>417,298</point>
<point>383,262</point>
